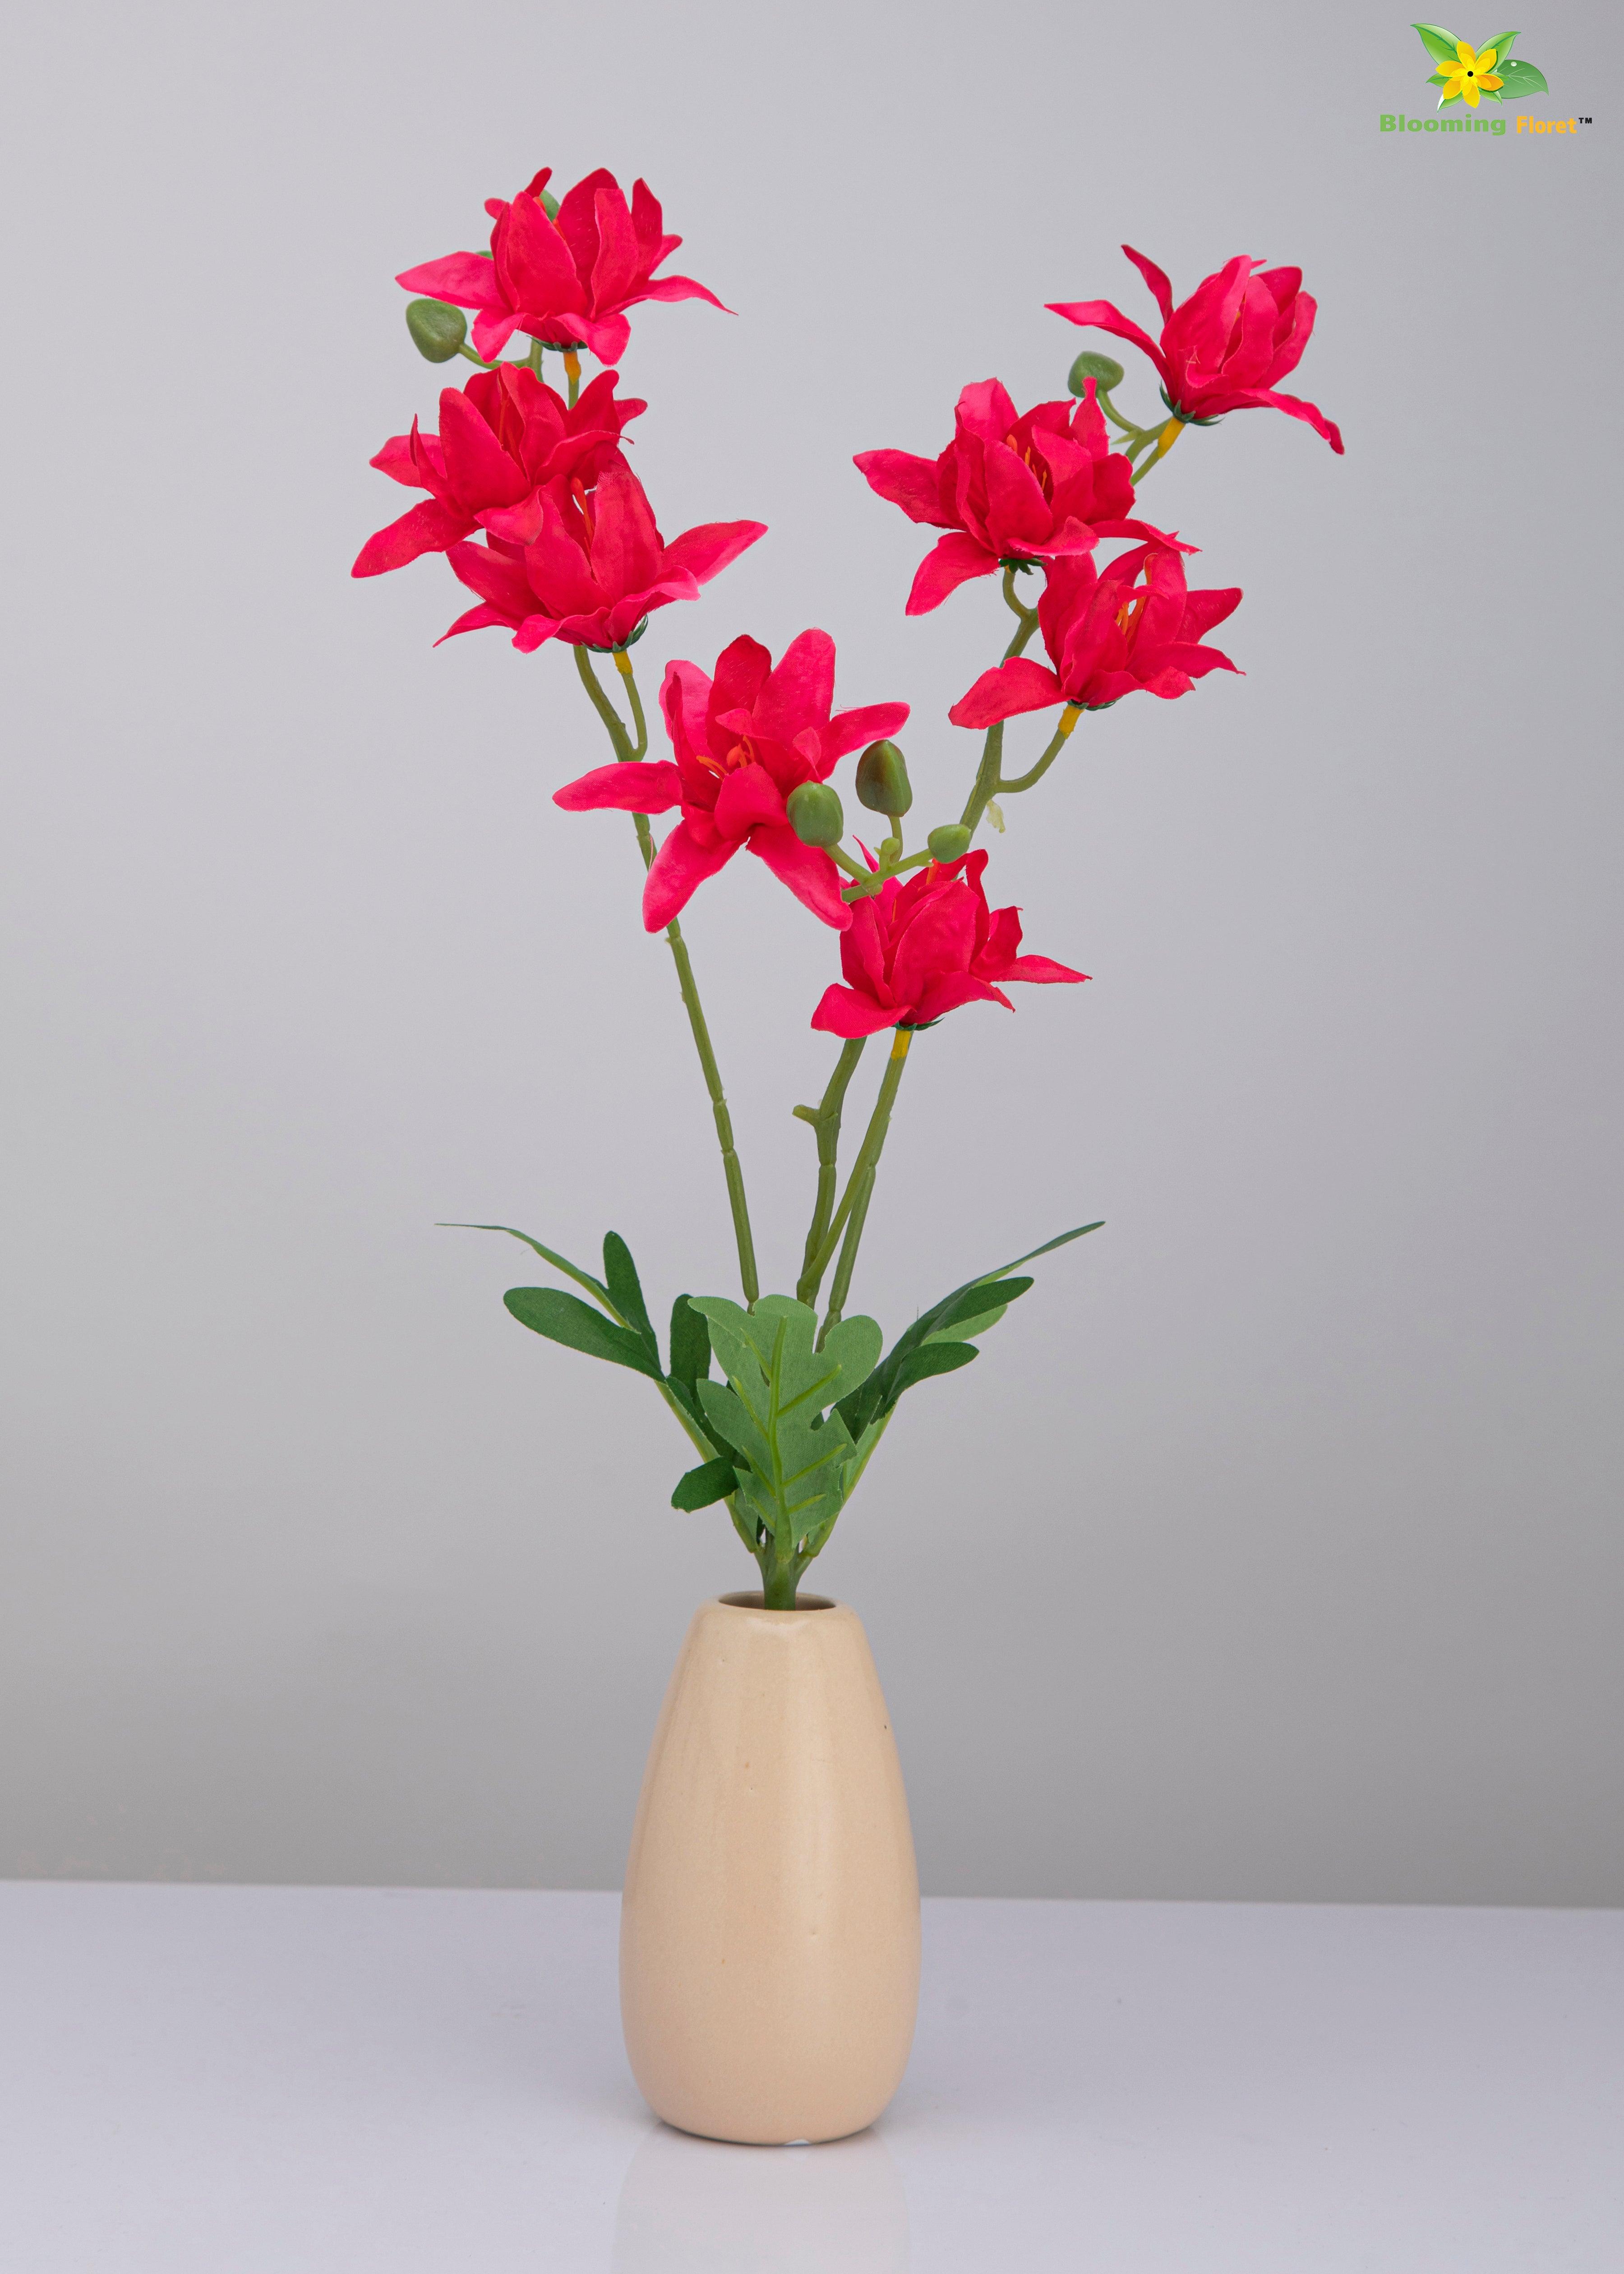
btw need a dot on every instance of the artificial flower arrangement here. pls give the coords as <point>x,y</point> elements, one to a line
<point>532,501</point>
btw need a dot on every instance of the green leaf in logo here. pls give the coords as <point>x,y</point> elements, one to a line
<point>1521,78</point>
<point>1442,46</point>
<point>1500,48</point>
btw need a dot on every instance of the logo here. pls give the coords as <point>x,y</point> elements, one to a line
<point>1474,75</point>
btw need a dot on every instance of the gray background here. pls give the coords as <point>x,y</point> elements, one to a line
<point>1273,1549</point>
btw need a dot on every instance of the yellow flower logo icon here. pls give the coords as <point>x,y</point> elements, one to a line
<point>1473,75</point>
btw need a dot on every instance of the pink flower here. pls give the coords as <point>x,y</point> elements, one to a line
<point>501,439</point>
<point>1009,489</point>
<point>744,740</point>
<point>916,950</point>
<point>596,568</point>
<point>1107,634</point>
<point>564,282</point>
<point>1224,347</point>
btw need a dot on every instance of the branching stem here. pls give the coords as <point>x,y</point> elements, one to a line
<point>825,1123</point>
<point>624,750</point>
<point>858,1184</point>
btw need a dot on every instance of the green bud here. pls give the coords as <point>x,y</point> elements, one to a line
<point>1104,370</point>
<point>948,842</point>
<point>815,814</point>
<point>882,783</point>
<point>437,331</point>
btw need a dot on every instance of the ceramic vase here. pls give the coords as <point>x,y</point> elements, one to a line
<point>769,1926</point>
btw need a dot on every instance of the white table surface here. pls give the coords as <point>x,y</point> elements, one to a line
<point>294,2081</point>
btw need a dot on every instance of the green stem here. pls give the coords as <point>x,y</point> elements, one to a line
<point>1164,439</point>
<point>572,372</point>
<point>826,1122</point>
<point>866,1162</point>
<point>847,1264</point>
<point>1012,601</point>
<point>604,709</point>
<point>623,665</point>
<point>1069,718</point>
<point>678,946</point>
<point>992,749</point>
<point>779,1577</point>
<point>731,1168</point>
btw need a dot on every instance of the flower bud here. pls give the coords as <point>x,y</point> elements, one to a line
<point>437,331</point>
<point>1104,370</point>
<point>815,814</point>
<point>950,842</point>
<point>882,783</point>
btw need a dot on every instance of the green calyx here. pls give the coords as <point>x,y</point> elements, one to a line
<point>950,842</point>
<point>1183,416</point>
<point>815,814</point>
<point>437,331</point>
<point>1104,370</point>
<point>882,783</point>
<point>631,640</point>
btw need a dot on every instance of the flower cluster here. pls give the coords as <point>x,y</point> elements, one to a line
<point>531,500</point>
<point>527,494</point>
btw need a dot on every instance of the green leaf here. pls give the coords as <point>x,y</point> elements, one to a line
<point>625,1291</point>
<point>771,1408</point>
<point>1521,78</point>
<point>1501,47</point>
<point>690,1343</point>
<point>566,1319</point>
<point>779,1335</point>
<point>984,1299</point>
<point>705,1486</point>
<point>547,1254</point>
<point>1442,46</point>
<point>982,1323</point>
<point>929,1358</point>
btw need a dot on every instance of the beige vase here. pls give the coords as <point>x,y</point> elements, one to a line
<point>769,1926</point>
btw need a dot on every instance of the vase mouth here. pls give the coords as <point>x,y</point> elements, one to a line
<point>752,1599</point>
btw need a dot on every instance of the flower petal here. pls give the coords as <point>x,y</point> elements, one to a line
<point>798,692</point>
<point>1264,398</point>
<point>641,786</point>
<point>1157,279</point>
<point>809,873</point>
<point>714,545</point>
<point>496,577</point>
<point>681,287</point>
<point>1041,970</point>
<point>463,280</point>
<point>915,484</point>
<point>430,527</point>
<point>747,799</point>
<point>950,562</point>
<point>680,866</point>
<point>843,1011</point>
<point>1101,316</point>
<point>1005,692</point>
<point>850,730</point>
